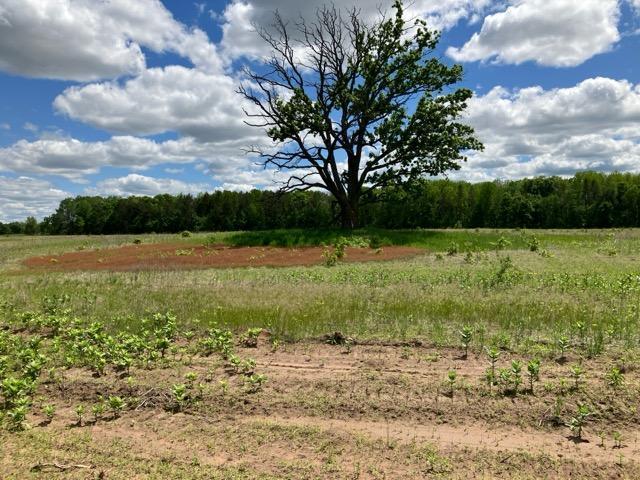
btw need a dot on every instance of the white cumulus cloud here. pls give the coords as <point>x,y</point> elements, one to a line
<point>593,125</point>
<point>25,196</point>
<point>242,16</point>
<point>559,33</point>
<point>87,40</point>
<point>135,184</point>
<point>175,98</point>
<point>74,159</point>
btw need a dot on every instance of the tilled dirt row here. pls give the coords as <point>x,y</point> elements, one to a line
<point>355,412</point>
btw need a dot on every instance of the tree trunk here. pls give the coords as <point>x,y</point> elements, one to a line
<point>349,215</point>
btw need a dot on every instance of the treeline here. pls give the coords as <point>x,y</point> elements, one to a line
<point>588,200</point>
<point>217,211</point>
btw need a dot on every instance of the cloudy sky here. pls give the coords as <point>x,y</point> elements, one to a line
<point>137,96</point>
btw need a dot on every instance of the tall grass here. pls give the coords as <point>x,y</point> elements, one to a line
<point>435,240</point>
<point>530,304</point>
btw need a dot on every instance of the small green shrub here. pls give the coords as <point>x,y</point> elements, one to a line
<point>615,378</point>
<point>338,251</point>
<point>116,405</point>
<point>577,373</point>
<point>49,411</point>
<point>577,421</point>
<point>98,411</point>
<point>533,371</point>
<point>79,411</point>
<point>501,244</point>
<point>466,335</point>
<point>255,382</point>
<point>453,249</point>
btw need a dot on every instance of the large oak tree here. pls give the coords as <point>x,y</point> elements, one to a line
<point>352,106</point>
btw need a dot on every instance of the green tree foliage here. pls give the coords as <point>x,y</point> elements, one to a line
<point>30,226</point>
<point>588,200</point>
<point>217,211</point>
<point>366,106</point>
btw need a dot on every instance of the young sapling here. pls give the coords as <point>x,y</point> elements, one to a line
<point>98,411</point>
<point>116,405</point>
<point>494,354</point>
<point>533,371</point>
<point>563,346</point>
<point>516,374</point>
<point>466,335</point>
<point>79,413</point>
<point>49,412</point>
<point>577,422</point>
<point>451,381</point>
<point>615,378</point>
<point>577,373</point>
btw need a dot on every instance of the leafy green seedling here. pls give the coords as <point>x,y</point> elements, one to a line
<point>615,378</point>
<point>98,411</point>
<point>466,335</point>
<point>116,405</point>
<point>577,373</point>
<point>494,354</point>
<point>533,371</point>
<point>617,439</point>
<point>516,374</point>
<point>504,377</point>
<point>180,396</point>
<point>563,345</point>
<point>49,411</point>
<point>79,410</point>
<point>452,375</point>
<point>255,382</point>
<point>17,415</point>
<point>577,421</point>
<point>224,386</point>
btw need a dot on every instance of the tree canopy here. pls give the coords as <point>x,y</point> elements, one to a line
<point>588,200</point>
<point>353,107</point>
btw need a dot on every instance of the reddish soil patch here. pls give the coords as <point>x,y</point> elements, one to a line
<point>182,256</point>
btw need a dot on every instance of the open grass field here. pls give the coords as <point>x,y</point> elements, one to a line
<point>470,354</point>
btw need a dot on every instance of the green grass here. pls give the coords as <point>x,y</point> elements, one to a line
<point>16,247</point>
<point>586,286</point>
<point>435,240</point>
<point>527,305</point>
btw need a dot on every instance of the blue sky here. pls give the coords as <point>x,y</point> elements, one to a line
<point>137,96</point>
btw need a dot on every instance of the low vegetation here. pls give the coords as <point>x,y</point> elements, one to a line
<point>439,365</point>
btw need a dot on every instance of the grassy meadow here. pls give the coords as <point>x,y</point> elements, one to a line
<point>483,356</point>
<point>514,297</point>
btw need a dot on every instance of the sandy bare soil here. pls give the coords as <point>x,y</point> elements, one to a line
<point>333,411</point>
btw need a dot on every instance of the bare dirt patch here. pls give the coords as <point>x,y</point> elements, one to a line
<point>184,256</point>
<point>366,411</point>
<point>361,411</point>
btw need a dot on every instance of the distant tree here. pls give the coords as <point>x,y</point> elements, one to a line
<point>353,107</point>
<point>15,228</point>
<point>30,226</point>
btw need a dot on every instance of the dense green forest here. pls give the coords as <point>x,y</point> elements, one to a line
<point>588,200</point>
